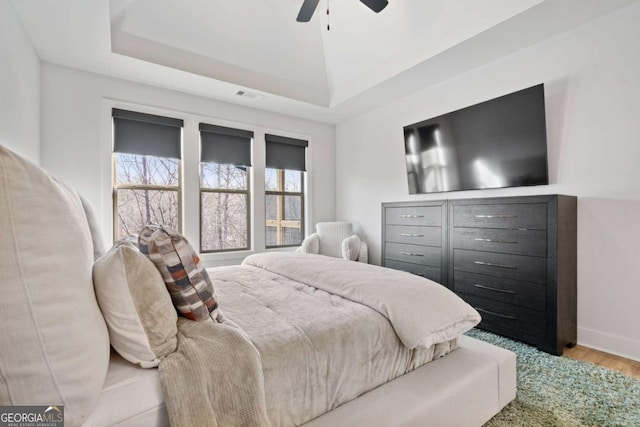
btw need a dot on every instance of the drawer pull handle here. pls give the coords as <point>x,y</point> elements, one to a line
<point>411,235</point>
<point>410,254</point>
<point>411,216</point>
<point>496,216</point>
<point>489,288</point>
<point>496,241</point>
<point>490,264</point>
<point>504,316</point>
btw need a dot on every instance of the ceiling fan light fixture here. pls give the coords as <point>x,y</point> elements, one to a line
<point>309,7</point>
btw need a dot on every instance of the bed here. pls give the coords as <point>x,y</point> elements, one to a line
<point>333,342</point>
<point>328,360</point>
<point>464,389</point>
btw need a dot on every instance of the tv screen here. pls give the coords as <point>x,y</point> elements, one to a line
<point>494,144</point>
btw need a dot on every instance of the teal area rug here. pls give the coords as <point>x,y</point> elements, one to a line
<point>558,391</point>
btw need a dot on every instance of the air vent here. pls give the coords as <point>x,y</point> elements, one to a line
<point>252,95</point>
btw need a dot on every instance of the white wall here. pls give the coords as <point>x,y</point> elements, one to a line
<point>19,87</point>
<point>592,88</point>
<point>77,138</point>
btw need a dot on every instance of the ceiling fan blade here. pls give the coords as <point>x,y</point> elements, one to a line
<point>307,9</point>
<point>375,5</point>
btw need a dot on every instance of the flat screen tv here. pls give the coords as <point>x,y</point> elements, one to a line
<point>498,143</point>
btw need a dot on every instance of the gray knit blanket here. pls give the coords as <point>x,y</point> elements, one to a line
<point>214,378</point>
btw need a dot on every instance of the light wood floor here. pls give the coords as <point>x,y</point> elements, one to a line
<point>628,367</point>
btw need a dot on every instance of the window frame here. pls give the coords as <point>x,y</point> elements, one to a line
<point>246,192</point>
<point>301,194</point>
<point>115,187</point>
<point>189,195</point>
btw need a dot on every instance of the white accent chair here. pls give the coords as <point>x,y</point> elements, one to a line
<point>335,239</point>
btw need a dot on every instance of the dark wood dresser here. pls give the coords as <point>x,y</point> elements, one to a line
<point>512,258</point>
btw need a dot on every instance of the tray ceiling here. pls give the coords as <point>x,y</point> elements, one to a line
<point>215,48</point>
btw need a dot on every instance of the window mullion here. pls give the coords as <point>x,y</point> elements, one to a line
<point>144,187</point>
<point>222,190</point>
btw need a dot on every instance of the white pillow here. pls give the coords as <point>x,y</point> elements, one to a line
<point>351,248</point>
<point>96,236</point>
<point>53,339</point>
<point>136,305</point>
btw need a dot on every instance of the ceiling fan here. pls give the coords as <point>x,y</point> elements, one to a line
<point>309,6</point>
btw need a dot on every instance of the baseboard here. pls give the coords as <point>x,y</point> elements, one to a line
<point>613,344</point>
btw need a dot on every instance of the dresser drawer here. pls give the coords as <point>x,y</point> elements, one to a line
<point>524,294</point>
<point>518,267</point>
<point>414,215</point>
<point>517,242</point>
<point>531,216</point>
<point>416,254</point>
<point>426,271</point>
<point>414,235</point>
<point>508,318</point>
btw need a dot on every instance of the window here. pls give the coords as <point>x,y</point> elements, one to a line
<point>146,191</point>
<point>225,161</point>
<point>284,185</point>
<point>285,207</point>
<point>146,163</point>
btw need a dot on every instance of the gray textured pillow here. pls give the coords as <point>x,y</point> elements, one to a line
<point>136,305</point>
<point>53,339</point>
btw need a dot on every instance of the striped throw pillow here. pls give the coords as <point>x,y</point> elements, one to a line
<point>186,279</point>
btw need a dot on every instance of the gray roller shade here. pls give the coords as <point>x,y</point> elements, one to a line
<point>227,146</point>
<point>146,134</point>
<point>286,153</point>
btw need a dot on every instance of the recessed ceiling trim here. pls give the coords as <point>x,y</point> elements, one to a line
<point>147,50</point>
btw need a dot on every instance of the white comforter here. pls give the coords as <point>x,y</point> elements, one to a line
<point>422,312</point>
<point>326,331</point>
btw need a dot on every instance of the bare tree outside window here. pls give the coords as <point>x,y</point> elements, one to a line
<point>284,207</point>
<point>224,207</point>
<point>146,191</point>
